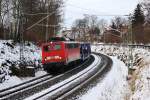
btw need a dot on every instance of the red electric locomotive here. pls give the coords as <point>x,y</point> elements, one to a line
<point>55,54</point>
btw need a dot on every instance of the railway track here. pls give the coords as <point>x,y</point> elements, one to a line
<point>31,87</point>
<point>127,45</point>
<point>5,93</point>
<point>106,65</point>
<point>65,88</point>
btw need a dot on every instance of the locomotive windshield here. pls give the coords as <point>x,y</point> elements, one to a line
<point>57,47</point>
<point>48,48</point>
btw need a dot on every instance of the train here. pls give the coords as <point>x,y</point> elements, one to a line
<point>59,51</point>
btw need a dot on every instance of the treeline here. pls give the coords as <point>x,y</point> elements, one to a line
<point>32,20</point>
<point>93,29</point>
<point>131,28</point>
<point>141,24</point>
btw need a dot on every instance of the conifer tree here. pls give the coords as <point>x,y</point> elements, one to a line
<point>137,25</point>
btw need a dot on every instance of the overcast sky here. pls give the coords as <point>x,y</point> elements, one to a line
<point>77,8</point>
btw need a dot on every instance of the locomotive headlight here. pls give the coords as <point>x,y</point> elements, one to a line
<point>57,57</point>
<point>47,58</point>
<point>52,57</point>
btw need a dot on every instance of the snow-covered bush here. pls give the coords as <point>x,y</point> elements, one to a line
<point>140,78</point>
<point>10,55</point>
<point>128,55</point>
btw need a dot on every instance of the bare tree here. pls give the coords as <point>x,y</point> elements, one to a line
<point>146,6</point>
<point>102,24</point>
<point>120,22</point>
<point>88,27</point>
<point>15,14</point>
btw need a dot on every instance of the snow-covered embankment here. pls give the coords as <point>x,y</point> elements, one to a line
<point>118,84</point>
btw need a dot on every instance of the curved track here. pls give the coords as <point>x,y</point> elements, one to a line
<point>59,86</point>
<point>106,65</point>
<point>31,87</point>
<point>14,90</point>
<point>68,86</point>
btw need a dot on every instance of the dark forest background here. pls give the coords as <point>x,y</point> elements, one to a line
<point>18,19</point>
<point>37,20</point>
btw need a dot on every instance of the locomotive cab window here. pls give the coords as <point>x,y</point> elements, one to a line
<point>57,47</point>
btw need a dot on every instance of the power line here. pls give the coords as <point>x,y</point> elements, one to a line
<point>50,14</point>
<point>36,14</point>
<point>42,19</point>
<point>85,9</point>
<point>108,15</point>
<point>48,25</point>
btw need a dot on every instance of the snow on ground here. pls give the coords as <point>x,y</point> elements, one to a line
<point>40,73</point>
<point>14,80</point>
<point>113,87</point>
<point>37,74</point>
<point>142,85</point>
<point>10,81</point>
<point>10,54</point>
<point>142,78</point>
<point>11,51</point>
<point>139,81</point>
<point>10,57</point>
<point>74,79</point>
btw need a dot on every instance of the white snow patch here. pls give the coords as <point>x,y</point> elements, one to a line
<point>142,83</point>
<point>11,81</point>
<point>10,57</point>
<point>40,73</point>
<point>113,87</point>
<point>142,89</point>
<point>14,80</point>
<point>88,69</point>
<point>10,51</point>
<point>141,61</point>
<point>37,74</point>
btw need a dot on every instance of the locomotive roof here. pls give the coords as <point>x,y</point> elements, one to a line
<point>55,39</point>
<point>62,39</point>
<point>61,42</point>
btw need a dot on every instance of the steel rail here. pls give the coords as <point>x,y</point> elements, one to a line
<point>11,93</point>
<point>60,88</point>
<point>16,88</point>
<point>126,45</point>
<point>106,62</point>
<point>21,84</point>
